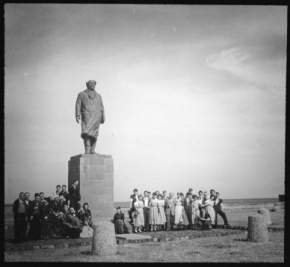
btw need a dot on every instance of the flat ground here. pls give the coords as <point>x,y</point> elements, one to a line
<point>233,248</point>
<point>217,249</point>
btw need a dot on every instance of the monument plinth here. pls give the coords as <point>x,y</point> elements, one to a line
<point>95,174</point>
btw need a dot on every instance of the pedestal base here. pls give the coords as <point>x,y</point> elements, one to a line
<point>95,174</point>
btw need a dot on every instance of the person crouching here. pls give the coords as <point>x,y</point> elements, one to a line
<point>119,221</point>
<point>73,224</point>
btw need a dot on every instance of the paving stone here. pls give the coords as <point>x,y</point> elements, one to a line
<point>139,238</point>
<point>132,236</point>
<point>60,245</point>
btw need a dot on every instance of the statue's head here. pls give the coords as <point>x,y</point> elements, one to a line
<point>91,84</point>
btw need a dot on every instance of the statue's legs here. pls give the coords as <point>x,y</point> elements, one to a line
<point>87,143</point>
<point>93,145</point>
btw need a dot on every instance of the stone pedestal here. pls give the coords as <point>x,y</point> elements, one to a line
<point>95,174</point>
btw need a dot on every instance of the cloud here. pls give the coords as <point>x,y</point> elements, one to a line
<point>251,65</point>
<point>230,60</point>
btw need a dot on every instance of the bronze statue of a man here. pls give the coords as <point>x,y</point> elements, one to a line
<point>90,110</point>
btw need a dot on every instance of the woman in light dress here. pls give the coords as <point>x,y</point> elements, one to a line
<point>153,215</point>
<point>161,213</point>
<point>178,210</point>
<point>184,216</point>
<point>138,218</point>
<point>209,208</point>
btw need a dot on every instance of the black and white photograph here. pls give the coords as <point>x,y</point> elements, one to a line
<point>144,132</point>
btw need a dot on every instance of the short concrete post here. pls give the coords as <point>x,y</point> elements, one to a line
<point>277,207</point>
<point>266,215</point>
<point>104,239</point>
<point>257,229</point>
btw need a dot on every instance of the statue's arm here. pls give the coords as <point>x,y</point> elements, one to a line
<point>103,111</point>
<point>78,108</point>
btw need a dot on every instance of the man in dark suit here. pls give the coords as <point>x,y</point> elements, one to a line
<point>74,195</point>
<point>146,212</point>
<point>35,222</point>
<point>218,209</point>
<point>169,212</point>
<point>28,212</point>
<point>20,218</point>
<point>188,208</point>
<point>64,197</point>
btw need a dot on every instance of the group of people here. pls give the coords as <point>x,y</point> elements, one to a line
<point>162,212</point>
<point>58,216</point>
<point>61,216</point>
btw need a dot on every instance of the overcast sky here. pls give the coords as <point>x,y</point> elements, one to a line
<point>194,95</point>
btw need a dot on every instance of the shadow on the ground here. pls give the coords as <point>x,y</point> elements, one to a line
<point>86,252</point>
<point>241,239</point>
<point>12,240</point>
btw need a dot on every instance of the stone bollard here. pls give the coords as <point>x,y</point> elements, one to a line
<point>257,229</point>
<point>104,239</point>
<point>277,206</point>
<point>266,215</point>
